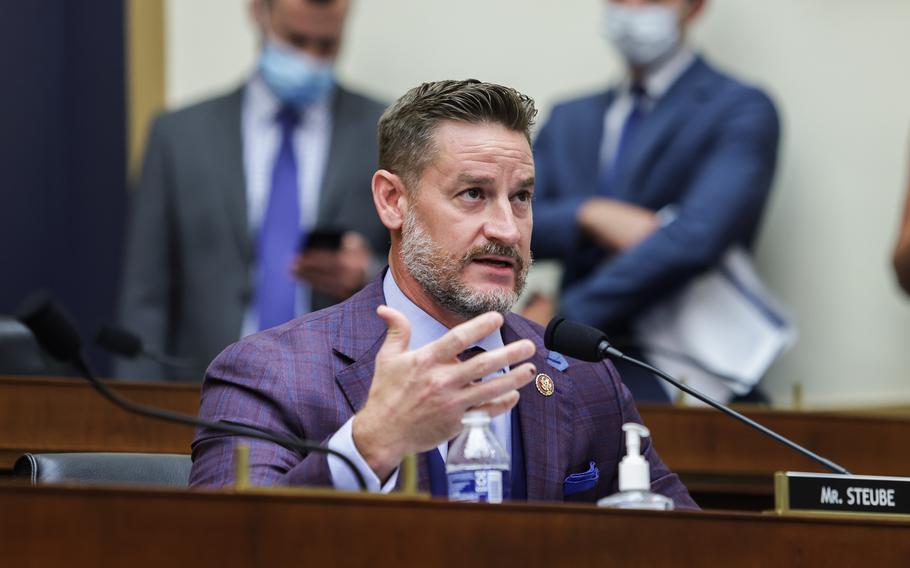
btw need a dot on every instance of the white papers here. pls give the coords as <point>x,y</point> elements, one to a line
<point>720,333</point>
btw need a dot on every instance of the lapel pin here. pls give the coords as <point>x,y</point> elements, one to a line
<point>545,384</point>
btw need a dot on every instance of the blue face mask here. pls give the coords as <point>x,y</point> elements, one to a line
<point>293,76</point>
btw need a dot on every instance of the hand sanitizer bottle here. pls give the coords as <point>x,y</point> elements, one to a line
<point>477,465</point>
<point>635,477</point>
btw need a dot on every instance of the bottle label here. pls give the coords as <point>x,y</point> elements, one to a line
<point>479,485</point>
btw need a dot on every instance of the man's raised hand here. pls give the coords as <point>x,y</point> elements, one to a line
<point>417,398</point>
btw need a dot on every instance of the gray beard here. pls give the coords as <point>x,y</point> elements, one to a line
<point>439,273</point>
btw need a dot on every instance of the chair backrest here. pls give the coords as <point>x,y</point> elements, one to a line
<point>100,467</point>
<point>20,353</point>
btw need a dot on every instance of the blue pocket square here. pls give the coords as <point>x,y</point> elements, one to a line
<point>581,482</point>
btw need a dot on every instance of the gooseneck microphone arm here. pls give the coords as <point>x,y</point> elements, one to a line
<point>161,414</point>
<point>730,412</point>
<point>57,335</point>
<point>590,344</point>
<point>124,343</point>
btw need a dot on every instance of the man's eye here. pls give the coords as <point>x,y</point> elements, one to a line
<point>523,196</point>
<point>473,193</point>
<point>299,41</point>
<point>327,46</point>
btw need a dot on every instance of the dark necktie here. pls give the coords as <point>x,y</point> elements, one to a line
<point>470,353</point>
<point>630,128</point>
<point>280,231</point>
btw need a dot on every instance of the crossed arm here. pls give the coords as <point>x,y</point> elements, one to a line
<point>725,194</point>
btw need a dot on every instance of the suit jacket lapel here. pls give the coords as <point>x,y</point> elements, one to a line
<point>345,130</point>
<point>663,121</point>
<point>227,147</point>
<point>359,337</point>
<point>586,141</point>
<point>545,420</point>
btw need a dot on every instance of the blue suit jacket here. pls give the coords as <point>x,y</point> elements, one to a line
<point>309,376</point>
<point>709,147</point>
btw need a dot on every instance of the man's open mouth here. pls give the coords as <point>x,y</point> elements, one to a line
<point>498,262</point>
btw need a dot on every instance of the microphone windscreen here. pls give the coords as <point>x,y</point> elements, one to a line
<point>52,326</point>
<point>119,341</point>
<point>574,339</point>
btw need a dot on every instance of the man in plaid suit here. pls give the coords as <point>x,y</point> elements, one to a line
<point>384,373</point>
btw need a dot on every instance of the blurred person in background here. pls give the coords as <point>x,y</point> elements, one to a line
<point>644,186</point>
<point>901,256</point>
<point>231,188</point>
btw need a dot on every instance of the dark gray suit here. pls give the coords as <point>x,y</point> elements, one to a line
<point>187,281</point>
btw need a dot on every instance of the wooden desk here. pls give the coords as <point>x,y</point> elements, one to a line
<point>705,441</point>
<point>52,526</point>
<point>727,464</point>
<point>39,414</point>
<point>717,457</point>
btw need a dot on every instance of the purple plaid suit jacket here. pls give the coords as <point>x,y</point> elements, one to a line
<point>309,376</point>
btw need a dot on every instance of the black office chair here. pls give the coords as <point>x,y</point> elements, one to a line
<point>100,467</point>
<point>20,353</point>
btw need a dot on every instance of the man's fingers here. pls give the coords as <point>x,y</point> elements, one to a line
<point>476,395</point>
<point>463,336</point>
<point>315,270</point>
<point>499,404</point>
<point>399,332</point>
<point>485,363</point>
<point>320,283</point>
<point>317,260</point>
<point>323,282</point>
<point>354,241</point>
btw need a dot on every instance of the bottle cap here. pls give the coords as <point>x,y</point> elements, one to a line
<point>634,471</point>
<point>475,418</point>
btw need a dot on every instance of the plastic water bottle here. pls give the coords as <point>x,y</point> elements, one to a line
<point>477,465</point>
<point>635,477</point>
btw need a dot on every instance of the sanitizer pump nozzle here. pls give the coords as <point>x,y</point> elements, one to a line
<point>634,471</point>
<point>635,476</point>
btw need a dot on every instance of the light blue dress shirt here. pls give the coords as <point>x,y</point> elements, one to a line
<point>261,139</point>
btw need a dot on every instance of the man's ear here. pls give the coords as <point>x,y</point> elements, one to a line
<point>390,199</point>
<point>695,8</point>
<point>258,11</point>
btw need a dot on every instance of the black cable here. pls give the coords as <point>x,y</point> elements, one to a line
<point>151,412</point>
<point>730,412</point>
<point>54,330</point>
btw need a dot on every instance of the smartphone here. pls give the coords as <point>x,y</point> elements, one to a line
<point>325,239</point>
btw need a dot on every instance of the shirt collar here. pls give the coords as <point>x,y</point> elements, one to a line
<point>263,105</point>
<point>424,328</point>
<point>658,79</point>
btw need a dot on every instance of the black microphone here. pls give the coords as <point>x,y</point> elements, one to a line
<point>590,344</point>
<point>120,341</point>
<point>54,330</point>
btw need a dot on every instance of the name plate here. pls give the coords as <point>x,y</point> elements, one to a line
<point>833,493</point>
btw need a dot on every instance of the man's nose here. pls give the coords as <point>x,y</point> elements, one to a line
<point>501,225</point>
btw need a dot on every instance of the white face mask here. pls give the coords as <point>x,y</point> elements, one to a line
<point>643,34</point>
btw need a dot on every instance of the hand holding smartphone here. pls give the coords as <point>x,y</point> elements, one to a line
<point>321,239</point>
<point>333,262</point>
